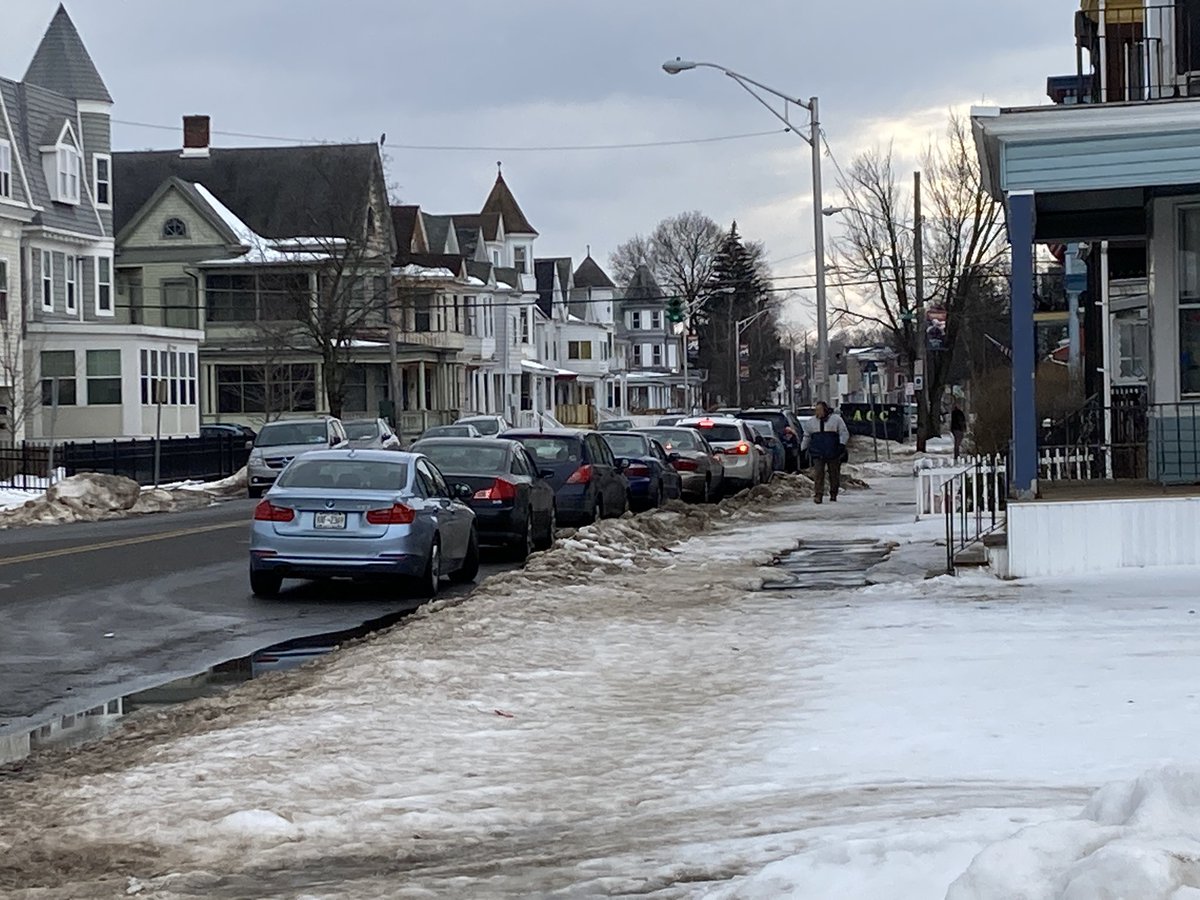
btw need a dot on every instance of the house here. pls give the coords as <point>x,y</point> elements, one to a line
<point>281,256</point>
<point>1111,172</point>
<point>651,380</point>
<point>76,363</point>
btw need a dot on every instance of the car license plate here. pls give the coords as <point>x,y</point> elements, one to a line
<point>329,520</point>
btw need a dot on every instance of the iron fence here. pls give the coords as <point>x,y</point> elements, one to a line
<point>24,466</point>
<point>1140,53</point>
<point>974,503</point>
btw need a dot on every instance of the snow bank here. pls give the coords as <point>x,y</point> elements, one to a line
<point>1137,839</point>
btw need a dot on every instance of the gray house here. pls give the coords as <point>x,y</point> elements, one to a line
<point>652,380</point>
<point>70,367</point>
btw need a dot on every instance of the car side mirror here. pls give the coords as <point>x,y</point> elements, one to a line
<point>673,457</point>
<point>249,445</point>
<point>622,463</point>
<point>463,491</point>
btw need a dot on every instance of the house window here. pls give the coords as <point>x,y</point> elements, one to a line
<point>175,370</point>
<point>104,301</point>
<point>266,389</point>
<point>174,227</point>
<point>656,357</point>
<point>579,349</point>
<point>637,354</point>
<point>3,293</point>
<point>102,178</point>
<point>47,280</point>
<point>68,175</point>
<point>71,266</point>
<point>519,260</point>
<point>496,258</point>
<point>6,169</point>
<point>229,298</point>
<point>635,321</point>
<point>104,377</point>
<point>1131,346</point>
<point>1189,300</point>
<point>58,370</point>
<point>656,320</point>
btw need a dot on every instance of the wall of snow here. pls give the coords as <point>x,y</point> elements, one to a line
<point>1080,537</point>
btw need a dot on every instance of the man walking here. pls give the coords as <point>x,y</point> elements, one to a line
<point>958,428</point>
<point>825,439</point>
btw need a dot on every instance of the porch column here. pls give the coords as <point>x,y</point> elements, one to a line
<point>421,404</point>
<point>1024,475</point>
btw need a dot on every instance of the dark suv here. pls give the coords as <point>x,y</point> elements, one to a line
<point>580,466</point>
<point>780,419</point>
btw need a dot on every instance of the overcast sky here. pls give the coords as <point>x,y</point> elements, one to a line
<point>548,73</point>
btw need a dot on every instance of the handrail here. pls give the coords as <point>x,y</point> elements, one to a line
<point>972,502</point>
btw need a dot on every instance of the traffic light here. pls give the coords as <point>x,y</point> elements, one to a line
<point>675,309</point>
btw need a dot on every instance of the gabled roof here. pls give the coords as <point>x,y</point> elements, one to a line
<point>468,238</point>
<point>195,199</point>
<point>406,226</point>
<point>63,65</point>
<point>507,275</point>
<point>279,192</point>
<point>544,271</point>
<point>455,264</point>
<point>590,275</point>
<point>502,202</point>
<point>480,270</point>
<point>642,287</point>
<point>489,223</point>
<point>437,231</point>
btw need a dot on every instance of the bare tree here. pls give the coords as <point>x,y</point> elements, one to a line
<point>23,394</point>
<point>963,237</point>
<point>679,253</point>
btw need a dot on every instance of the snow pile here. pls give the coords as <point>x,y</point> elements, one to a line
<point>1138,839</point>
<point>87,497</point>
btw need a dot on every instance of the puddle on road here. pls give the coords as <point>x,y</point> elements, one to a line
<point>829,565</point>
<point>90,724</point>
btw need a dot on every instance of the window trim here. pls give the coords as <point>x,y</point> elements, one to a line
<point>68,166</point>
<point>181,236</point>
<point>106,158</point>
<point>71,283</point>
<point>88,377</point>
<point>47,266</point>
<point>101,285</point>
<point>6,174</point>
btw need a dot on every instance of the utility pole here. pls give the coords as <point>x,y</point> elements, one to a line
<point>921,389</point>
<point>814,142</point>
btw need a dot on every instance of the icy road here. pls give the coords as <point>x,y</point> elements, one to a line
<point>631,715</point>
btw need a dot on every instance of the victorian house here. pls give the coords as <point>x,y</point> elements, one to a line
<point>77,363</point>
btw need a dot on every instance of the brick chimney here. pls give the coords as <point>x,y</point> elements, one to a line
<point>195,135</point>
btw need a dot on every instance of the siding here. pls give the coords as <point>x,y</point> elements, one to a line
<point>173,206</point>
<point>97,138</point>
<point>1079,164</point>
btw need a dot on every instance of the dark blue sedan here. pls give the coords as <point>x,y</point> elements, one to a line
<point>652,478</point>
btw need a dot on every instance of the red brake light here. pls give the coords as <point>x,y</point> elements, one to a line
<point>685,465</point>
<point>582,475</point>
<point>397,514</point>
<point>266,511</point>
<point>638,470</point>
<point>706,423</point>
<point>741,449</point>
<point>500,489</point>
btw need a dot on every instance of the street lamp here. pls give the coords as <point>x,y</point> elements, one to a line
<point>739,328</point>
<point>813,139</point>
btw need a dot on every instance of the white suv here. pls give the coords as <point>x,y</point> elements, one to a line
<point>739,446</point>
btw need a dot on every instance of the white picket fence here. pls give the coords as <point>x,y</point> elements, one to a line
<point>1066,464</point>
<point>933,473</point>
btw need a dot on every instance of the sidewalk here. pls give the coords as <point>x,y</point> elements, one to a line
<point>627,717</point>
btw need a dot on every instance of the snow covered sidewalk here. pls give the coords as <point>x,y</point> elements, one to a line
<point>631,716</point>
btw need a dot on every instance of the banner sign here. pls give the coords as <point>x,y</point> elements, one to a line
<point>888,421</point>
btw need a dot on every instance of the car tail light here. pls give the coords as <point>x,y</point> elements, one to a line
<point>582,475</point>
<point>638,470</point>
<point>685,465</point>
<point>266,511</point>
<point>741,449</point>
<point>500,489</point>
<point>397,514</point>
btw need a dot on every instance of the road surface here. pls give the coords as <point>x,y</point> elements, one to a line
<point>92,611</point>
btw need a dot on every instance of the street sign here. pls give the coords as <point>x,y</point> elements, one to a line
<point>918,383</point>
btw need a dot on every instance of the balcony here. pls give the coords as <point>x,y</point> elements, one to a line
<point>453,341</point>
<point>1138,52</point>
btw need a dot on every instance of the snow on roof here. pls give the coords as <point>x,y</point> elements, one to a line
<point>262,250</point>
<point>415,271</point>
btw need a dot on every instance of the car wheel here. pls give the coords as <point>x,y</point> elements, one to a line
<point>548,540</point>
<point>254,493</point>
<point>470,566</point>
<point>429,582</point>
<point>526,544</point>
<point>597,511</point>
<point>661,497</point>
<point>265,584</point>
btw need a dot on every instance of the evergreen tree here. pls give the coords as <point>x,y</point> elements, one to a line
<point>737,290</point>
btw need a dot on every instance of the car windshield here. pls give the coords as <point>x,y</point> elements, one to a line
<point>448,431</point>
<point>345,474</point>
<point>675,439</point>
<point>628,444</point>
<point>466,458</point>
<point>484,426</point>
<point>717,433</point>
<point>282,434</point>
<point>551,449</point>
<point>357,431</point>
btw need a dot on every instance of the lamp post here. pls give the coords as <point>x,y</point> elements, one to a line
<point>739,329</point>
<point>813,139</point>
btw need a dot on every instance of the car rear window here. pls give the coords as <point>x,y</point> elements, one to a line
<point>466,459</point>
<point>552,449</point>
<point>483,426</point>
<point>719,434</point>
<point>357,431</point>
<point>675,439</point>
<point>283,434</point>
<point>778,420</point>
<point>345,474</point>
<point>628,444</point>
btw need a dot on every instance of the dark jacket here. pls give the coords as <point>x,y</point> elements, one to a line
<point>824,438</point>
<point>958,420</point>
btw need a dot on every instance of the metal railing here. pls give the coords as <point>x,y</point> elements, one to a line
<point>974,503</point>
<point>25,466</point>
<point>1144,53</point>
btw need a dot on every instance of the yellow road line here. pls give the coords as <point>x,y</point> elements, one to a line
<point>123,542</point>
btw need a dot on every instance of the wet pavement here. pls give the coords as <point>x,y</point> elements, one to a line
<point>829,565</point>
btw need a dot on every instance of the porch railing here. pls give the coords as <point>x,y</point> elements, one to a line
<point>974,504</point>
<point>1149,52</point>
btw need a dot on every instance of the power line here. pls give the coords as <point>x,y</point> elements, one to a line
<point>442,148</point>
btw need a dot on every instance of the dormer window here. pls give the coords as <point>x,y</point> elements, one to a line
<point>68,174</point>
<point>519,259</point>
<point>6,170</point>
<point>174,228</point>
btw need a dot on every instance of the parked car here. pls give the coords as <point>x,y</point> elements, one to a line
<point>666,421</point>
<point>334,514</point>
<point>371,434</point>
<point>580,466</point>
<point>278,443</point>
<point>221,429</point>
<point>735,441</point>
<point>781,419</point>
<point>459,431</point>
<point>616,425</point>
<point>488,426</point>
<point>699,466</point>
<point>776,456</point>
<point>647,466</point>
<point>513,502</point>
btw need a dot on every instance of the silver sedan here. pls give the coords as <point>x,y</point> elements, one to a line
<point>362,513</point>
